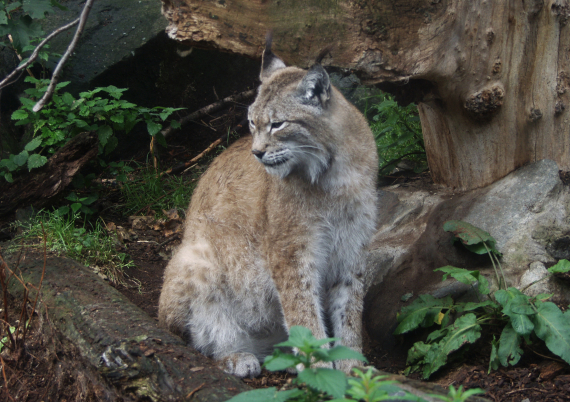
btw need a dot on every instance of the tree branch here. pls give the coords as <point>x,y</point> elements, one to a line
<point>55,76</point>
<point>35,53</point>
<point>214,107</point>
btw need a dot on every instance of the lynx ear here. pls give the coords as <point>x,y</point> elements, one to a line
<point>315,88</point>
<point>269,63</point>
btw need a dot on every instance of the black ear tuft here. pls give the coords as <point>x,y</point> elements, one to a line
<point>269,63</point>
<point>315,88</point>
<point>323,53</point>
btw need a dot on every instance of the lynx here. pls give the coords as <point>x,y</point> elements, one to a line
<point>278,227</point>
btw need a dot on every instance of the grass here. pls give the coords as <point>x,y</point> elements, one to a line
<point>90,245</point>
<point>148,191</point>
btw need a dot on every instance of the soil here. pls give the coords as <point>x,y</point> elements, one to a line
<point>40,369</point>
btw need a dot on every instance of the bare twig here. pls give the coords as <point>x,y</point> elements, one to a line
<point>55,76</point>
<point>5,379</point>
<point>214,107</point>
<point>193,160</point>
<point>22,67</point>
<point>195,390</point>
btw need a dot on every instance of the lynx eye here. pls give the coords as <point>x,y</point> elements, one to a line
<point>277,125</point>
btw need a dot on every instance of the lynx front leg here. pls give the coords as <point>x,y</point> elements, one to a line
<point>299,295</point>
<point>345,306</point>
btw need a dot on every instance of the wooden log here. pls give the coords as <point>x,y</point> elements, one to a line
<point>40,186</point>
<point>491,78</point>
<point>128,349</point>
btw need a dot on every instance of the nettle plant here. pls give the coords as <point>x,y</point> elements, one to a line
<point>522,318</point>
<point>319,383</point>
<point>101,110</point>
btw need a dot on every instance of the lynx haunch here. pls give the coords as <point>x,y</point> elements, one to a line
<point>278,227</point>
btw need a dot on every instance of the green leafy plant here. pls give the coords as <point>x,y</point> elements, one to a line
<point>458,395</point>
<point>320,383</point>
<point>90,245</point>
<point>520,316</point>
<point>19,19</point>
<point>99,110</point>
<point>398,133</point>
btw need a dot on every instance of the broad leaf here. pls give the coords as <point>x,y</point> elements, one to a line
<point>36,161</point>
<point>471,235</point>
<point>470,306</point>
<point>19,115</point>
<point>266,395</point>
<point>342,352</point>
<point>280,362</point>
<point>509,346</point>
<point>37,8</point>
<point>466,276</point>
<point>504,296</point>
<point>33,144</point>
<point>522,324</point>
<point>300,337</point>
<point>417,353</point>
<point>153,127</point>
<point>21,158</point>
<point>414,315</point>
<point>561,267</point>
<point>553,327</point>
<point>105,132</point>
<point>464,330</point>
<point>332,382</point>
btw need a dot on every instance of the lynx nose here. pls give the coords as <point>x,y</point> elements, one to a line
<point>259,154</point>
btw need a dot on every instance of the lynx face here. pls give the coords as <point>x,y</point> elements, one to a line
<point>286,120</point>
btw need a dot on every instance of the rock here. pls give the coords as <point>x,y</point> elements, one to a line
<point>113,32</point>
<point>536,280</point>
<point>527,212</point>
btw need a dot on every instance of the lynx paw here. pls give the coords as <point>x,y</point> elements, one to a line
<point>241,365</point>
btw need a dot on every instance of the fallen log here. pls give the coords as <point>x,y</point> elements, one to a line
<point>40,186</point>
<point>126,347</point>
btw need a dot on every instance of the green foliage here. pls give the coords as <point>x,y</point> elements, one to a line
<point>19,19</point>
<point>398,133</point>
<point>458,395</point>
<point>473,238</point>
<point>149,191</point>
<point>101,110</point>
<point>93,248</point>
<point>318,384</point>
<point>520,316</point>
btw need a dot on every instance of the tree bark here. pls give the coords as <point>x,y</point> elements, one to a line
<point>130,353</point>
<point>490,78</point>
<point>39,186</point>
